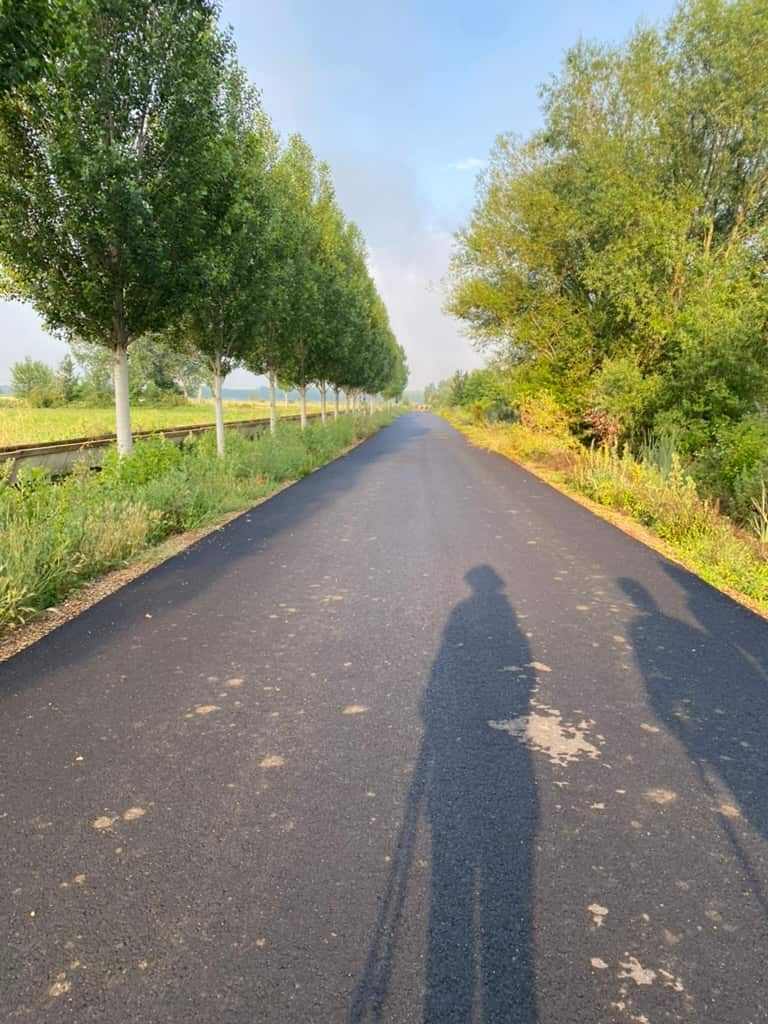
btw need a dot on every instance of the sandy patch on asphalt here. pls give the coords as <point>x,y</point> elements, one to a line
<point>545,731</point>
<point>272,761</point>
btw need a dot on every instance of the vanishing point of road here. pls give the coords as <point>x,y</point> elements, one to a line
<point>417,740</point>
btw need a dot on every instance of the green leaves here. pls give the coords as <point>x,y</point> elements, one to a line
<point>630,233</point>
<point>143,192</point>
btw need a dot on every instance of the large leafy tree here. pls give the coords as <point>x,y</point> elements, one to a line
<point>225,312</point>
<point>335,271</point>
<point>351,299</point>
<point>284,271</point>
<point>291,313</point>
<point>30,375</point>
<point>398,380</point>
<point>618,256</point>
<point>106,174</point>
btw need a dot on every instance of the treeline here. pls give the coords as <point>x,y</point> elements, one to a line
<point>158,374</point>
<point>144,192</point>
<point>617,261</point>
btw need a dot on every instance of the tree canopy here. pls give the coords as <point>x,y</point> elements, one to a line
<point>617,258</point>
<point>144,193</point>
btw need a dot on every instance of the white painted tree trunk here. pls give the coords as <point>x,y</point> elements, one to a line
<point>335,403</point>
<point>218,406</point>
<point>323,397</point>
<point>303,405</point>
<point>347,400</point>
<point>285,399</point>
<point>122,399</point>
<point>272,403</point>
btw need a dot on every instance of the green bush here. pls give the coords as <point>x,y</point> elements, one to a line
<point>543,414</point>
<point>622,400</point>
<point>735,468</point>
<point>149,459</point>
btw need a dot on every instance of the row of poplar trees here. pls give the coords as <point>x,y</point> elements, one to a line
<point>143,190</point>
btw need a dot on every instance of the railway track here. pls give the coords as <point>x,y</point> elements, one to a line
<point>60,457</point>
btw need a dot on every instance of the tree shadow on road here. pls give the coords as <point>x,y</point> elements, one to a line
<point>476,787</point>
<point>708,684</point>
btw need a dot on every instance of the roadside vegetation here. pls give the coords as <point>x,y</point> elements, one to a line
<point>56,534</point>
<point>614,270</point>
<point>653,489</point>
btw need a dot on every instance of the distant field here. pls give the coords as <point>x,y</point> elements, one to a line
<point>21,425</point>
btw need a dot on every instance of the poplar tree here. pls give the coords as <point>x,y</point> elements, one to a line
<point>105,173</point>
<point>225,311</point>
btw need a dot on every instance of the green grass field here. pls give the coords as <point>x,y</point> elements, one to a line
<point>21,425</point>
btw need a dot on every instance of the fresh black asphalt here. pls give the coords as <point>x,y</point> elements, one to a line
<point>418,740</point>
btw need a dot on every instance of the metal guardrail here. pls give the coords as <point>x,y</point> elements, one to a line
<point>60,457</point>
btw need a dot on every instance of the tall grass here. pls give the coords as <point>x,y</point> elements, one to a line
<point>54,535</point>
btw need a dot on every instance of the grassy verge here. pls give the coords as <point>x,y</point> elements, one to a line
<point>654,493</point>
<point>20,424</point>
<point>56,535</point>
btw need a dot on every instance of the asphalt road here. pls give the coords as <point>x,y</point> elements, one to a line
<point>418,740</point>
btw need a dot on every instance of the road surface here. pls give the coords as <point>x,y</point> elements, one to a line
<point>418,740</point>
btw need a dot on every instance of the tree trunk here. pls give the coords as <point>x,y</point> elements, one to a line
<point>122,399</point>
<point>218,406</point>
<point>347,401</point>
<point>335,403</point>
<point>285,399</point>
<point>199,392</point>
<point>323,397</point>
<point>272,403</point>
<point>303,405</point>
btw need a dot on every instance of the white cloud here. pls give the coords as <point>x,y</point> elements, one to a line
<point>409,255</point>
<point>471,163</point>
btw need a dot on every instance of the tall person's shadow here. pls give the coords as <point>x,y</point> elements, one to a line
<point>476,787</point>
<point>708,684</point>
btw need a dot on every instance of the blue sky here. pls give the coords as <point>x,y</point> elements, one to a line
<point>404,101</point>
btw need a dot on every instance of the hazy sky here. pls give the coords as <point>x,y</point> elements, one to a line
<point>404,101</point>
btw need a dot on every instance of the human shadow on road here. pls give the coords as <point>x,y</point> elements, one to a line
<point>708,684</point>
<point>476,787</point>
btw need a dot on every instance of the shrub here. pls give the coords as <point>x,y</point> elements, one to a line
<point>621,401</point>
<point>735,467</point>
<point>149,459</point>
<point>46,397</point>
<point>544,413</point>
